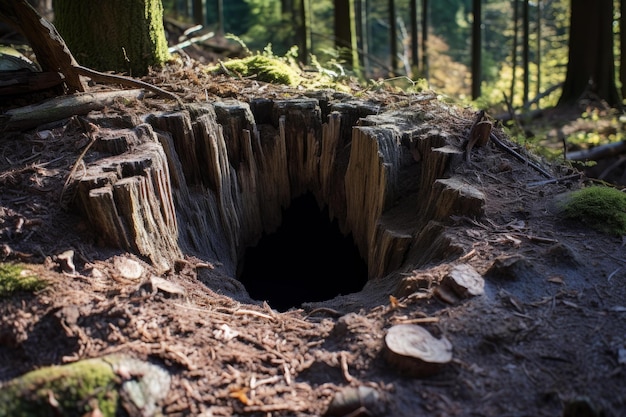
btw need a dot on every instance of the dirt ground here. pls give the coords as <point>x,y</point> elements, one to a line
<point>548,340</point>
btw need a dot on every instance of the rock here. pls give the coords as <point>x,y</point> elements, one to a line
<point>350,399</point>
<point>84,386</point>
<point>128,268</point>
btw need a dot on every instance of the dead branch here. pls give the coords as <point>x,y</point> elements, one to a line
<point>519,156</point>
<point>598,152</point>
<point>192,41</point>
<point>58,108</point>
<point>98,76</point>
<point>49,47</point>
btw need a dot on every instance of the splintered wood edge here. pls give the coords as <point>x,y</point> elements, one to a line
<point>413,350</point>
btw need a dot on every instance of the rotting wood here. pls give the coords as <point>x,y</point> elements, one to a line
<point>479,134</point>
<point>102,77</point>
<point>49,47</point>
<point>464,281</point>
<point>598,152</point>
<point>223,179</point>
<point>62,107</point>
<point>128,198</point>
<point>13,83</point>
<point>520,157</point>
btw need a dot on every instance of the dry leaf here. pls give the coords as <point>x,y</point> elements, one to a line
<point>556,279</point>
<point>240,394</point>
<point>393,301</point>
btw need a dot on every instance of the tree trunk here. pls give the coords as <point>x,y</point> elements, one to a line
<point>414,39</point>
<point>622,43</point>
<point>526,50</point>
<point>345,33</point>
<point>514,51</point>
<point>476,48</point>
<point>304,30</point>
<point>363,35</point>
<point>425,68</point>
<point>393,37</point>
<point>198,12</point>
<point>114,35</point>
<point>591,67</point>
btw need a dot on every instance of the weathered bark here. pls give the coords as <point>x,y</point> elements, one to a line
<point>598,152</point>
<point>50,49</point>
<point>114,35</point>
<point>591,66</point>
<point>128,197</point>
<point>208,181</point>
<point>29,117</point>
<point>12,83</point>
<point>345,33</point>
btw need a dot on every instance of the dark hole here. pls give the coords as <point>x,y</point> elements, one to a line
<point>306,259</point>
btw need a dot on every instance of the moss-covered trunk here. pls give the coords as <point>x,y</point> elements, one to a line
<point>114,35</point>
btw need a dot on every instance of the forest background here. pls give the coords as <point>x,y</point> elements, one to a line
<point>448,59</point>
<point>519,64</point>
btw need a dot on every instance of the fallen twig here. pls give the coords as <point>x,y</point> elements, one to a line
<point>519,156</point>
<point>98,76</point>
<point>556,180</point>
<point>191,41</point>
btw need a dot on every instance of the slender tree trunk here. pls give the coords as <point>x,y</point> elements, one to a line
<point>304,29</point>
<point>393,36</point>
<point>539,51</point>
<point>622,38</point>
<point>345,36</point>
<point>414,41</point>
<point>198,12</point>
<point>591,66</point>
<point>362,34</point>
<point>425,39</point>
<point>514,51</point>
<point>526,50</point>
<point>476,48</point>
<point>366,35</point>
<point>220,17</point>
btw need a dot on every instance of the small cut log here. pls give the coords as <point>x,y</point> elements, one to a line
<point>414,351</point>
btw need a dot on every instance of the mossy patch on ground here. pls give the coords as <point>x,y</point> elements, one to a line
<point>264,68</point>
<point>69,390</point>
<point>16,277</point>
<point>603,208</point>
<point>98,386</point>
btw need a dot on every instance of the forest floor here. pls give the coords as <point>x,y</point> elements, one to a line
<point>549,340</point>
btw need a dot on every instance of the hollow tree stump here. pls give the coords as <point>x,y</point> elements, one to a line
<point>210,179</point>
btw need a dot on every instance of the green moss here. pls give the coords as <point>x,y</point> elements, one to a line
<point>14,278</point>
<point>77,388</point>
<point>114,35</point>
<point>603,208</point>
<point>265,68</point>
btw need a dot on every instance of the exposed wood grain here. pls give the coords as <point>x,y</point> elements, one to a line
<point>210,180</point>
